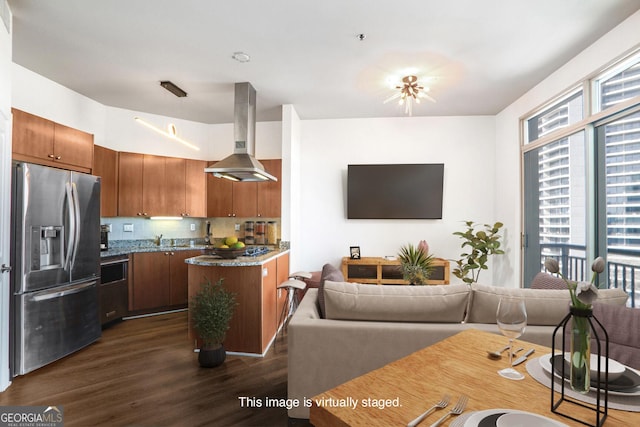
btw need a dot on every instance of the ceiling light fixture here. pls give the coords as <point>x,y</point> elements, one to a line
<point>241,57</point>
<point>409,91</point>
<point>173,89</point>
<point>172,133</point>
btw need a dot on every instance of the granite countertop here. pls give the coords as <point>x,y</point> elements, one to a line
<point>241,261</point>
<point>124,250</point>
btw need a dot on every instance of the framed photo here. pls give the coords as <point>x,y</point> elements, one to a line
<point>355,252</point>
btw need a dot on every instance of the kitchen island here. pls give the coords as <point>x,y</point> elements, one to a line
<point>254,280</point>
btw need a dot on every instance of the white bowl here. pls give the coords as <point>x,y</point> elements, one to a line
<point>615,368</point>
<point>526,419</point>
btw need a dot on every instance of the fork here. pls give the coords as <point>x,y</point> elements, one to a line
<point>457,410</point>
<point>442,404</point>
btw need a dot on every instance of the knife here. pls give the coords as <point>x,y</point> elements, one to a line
<point>522,358</point>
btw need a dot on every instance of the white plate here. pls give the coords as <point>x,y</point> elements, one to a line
<point>520,418</point>
<point>526,419</point>
<point>545,362</point>
<point>615,368</point>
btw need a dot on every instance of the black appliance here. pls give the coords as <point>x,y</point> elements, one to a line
<point>113,290</point>
<point>395,191</point>
<point>104,237</point>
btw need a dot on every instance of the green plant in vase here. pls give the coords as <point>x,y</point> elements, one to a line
<point>416,264</point>
<point>481,244</point>
<point>583,294</point>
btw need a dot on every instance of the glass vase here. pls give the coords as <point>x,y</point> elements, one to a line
<point>580,348</point>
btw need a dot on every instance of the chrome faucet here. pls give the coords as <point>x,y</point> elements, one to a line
<point>207,236</point>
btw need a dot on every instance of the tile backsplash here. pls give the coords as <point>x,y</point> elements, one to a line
<point>144,228</point>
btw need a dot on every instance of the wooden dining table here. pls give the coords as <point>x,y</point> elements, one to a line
<point>400,391</point>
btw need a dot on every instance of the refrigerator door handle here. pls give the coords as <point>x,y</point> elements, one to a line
<point>72,225</point>
<point>76,214</point>
<point>47,295</point>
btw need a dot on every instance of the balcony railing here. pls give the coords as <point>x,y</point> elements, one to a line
<point>623,266</point>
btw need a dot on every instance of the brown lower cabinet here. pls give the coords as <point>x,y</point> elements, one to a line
<point>255,321</point>
<point>159,280</point>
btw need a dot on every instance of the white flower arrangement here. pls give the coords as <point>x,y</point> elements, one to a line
<point>583,294</point>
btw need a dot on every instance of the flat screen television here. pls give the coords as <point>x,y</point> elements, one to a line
<point>400,191</point>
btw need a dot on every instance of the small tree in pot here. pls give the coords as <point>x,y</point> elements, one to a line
<point>211,311</point>
<point>481,244</point>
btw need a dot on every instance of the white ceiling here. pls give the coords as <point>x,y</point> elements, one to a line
<point>481,54</point>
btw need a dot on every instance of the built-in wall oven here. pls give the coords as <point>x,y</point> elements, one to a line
<point>113,290</point>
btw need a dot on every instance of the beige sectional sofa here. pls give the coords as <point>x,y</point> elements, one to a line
<point>367,326</point>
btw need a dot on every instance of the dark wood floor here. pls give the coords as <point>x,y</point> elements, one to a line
<point>143,372</point>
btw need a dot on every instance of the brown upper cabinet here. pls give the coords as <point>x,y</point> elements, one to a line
<point>270,192</point>
<point>130,184</point>
<point>160,186</point>
<point>105,165</point>
<point>44,142</point>
<point>246,199</point>
<point>154,196</point>
<point>195,188</point>
<point>219,196</point>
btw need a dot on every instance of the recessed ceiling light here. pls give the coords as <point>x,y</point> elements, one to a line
<point>361,36</point>
<point>241,57</point>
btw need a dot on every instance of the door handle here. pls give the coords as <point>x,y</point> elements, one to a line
<point>76,213</point>
<point>48,295</point>
<point>5,268</point>
<point>72,225</point>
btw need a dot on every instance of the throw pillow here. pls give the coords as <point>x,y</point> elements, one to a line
<point>329,272</point>
<point>547,281</point>
<point>622,325</point>
<point>356,301</point>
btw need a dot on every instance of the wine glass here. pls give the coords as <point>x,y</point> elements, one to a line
<point>512,320</point>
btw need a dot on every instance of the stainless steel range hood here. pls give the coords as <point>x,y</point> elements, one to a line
<point>242,165</point>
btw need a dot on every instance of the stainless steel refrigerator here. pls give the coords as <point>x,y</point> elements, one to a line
<point>55,251</point>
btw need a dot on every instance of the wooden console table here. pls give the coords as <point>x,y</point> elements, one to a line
<point>382,271</point>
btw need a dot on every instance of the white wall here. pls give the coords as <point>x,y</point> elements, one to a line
<point>291,183</point>
<point>38,95</point>
<point>466,146</point>
<point>508,205</point>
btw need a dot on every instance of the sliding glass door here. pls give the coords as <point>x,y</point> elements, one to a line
<point>618,219</point>
<point>556,206</point>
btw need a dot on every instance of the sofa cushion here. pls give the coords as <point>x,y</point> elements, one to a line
<point>329,272</point>
<point>622,325</point>
<point>355,301</point>
<point>547,281</point>
<point>544,306</point>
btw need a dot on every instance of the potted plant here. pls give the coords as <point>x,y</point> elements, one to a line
<point>481,243</point>
<point>211,311</point>
<point>416,264</point>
